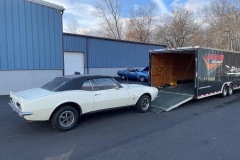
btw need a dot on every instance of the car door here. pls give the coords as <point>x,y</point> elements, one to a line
<point>108,94</point>
<point>132,74</point>
<point>85,96</point>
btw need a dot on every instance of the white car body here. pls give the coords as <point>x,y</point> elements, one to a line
<point>38,104</point>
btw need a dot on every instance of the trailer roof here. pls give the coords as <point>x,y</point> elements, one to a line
<point>174,50</point>
<point>186,50</point>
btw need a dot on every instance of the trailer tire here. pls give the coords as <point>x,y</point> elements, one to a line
<point>224,91</point>
<point>230,90</point>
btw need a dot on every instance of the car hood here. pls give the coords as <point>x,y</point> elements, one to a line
<point>33,93</point>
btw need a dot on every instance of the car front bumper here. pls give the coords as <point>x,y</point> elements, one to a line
<point>18,112</point>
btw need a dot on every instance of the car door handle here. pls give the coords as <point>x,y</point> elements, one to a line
<point>97,94</point>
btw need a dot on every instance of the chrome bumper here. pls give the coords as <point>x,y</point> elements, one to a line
<point>18,112</point>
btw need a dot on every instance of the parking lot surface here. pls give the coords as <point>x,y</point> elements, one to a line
<point>199,130</point>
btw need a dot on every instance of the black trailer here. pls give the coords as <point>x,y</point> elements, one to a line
<point>188,73</point>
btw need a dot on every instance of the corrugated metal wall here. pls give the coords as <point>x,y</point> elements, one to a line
<point>30,36</point>
<point>74,43</point>
<point>104,53</point>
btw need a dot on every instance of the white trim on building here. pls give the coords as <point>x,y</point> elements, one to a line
<point>48,4</point>
<point>18,80</point>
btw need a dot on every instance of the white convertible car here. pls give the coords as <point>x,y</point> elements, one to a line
<point>63,100</point>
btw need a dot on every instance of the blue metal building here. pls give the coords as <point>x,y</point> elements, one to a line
<point>34,50</point>
<point>31,45</point>
<point>106,56</point>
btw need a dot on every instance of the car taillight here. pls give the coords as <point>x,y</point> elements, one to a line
<point>19,106</point>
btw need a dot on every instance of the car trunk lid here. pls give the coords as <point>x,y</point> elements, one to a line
<point>33,93</point>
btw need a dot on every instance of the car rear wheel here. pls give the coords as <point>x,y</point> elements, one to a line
<point>143,104</point>
<point>230,90</point>
<point>142,79</point>
<point>123,77</point>
<point>65,118</point>
<point>224,91</point>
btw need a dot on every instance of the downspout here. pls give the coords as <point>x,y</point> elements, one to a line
<point>196,81</point>
<point>150,69</point>
<point>62,44</point>
<point>87,54</point>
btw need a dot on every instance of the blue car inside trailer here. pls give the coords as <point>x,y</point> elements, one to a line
<point>134,74</point>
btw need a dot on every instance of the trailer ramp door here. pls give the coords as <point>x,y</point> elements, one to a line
<point>172,97</point>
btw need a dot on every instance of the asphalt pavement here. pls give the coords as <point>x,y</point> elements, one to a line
<point>206,129</point>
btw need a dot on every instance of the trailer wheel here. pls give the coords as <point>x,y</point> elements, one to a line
<point>224,91</point>
<point>230,90</point>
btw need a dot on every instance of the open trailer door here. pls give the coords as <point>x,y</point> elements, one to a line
<point>173,73</point>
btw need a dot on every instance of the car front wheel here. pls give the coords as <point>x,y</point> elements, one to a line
<point>143,104</point>
<point>65,118</point>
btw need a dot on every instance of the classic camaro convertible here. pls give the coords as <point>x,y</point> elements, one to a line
<point>63,100</point>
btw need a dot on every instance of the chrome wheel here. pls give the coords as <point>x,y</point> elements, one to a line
<point>230,90</point>
<point>145,103</point>
<point>66,118</point>
<point>224,91</point>
<point>123,77</point>
<point>142,79</point>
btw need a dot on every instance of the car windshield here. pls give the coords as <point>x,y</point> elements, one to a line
<point>55,84</point>
<point>146,69</point>
<point>134,70</point>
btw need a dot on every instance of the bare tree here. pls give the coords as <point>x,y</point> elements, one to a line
<point>199,37</point>
<point>177,30</point>
<point>140,25</point>
<point>72,25</point>
<point>109,12</point>
<point>223,17</point>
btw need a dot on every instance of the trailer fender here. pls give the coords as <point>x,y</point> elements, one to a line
<point>226,83</point>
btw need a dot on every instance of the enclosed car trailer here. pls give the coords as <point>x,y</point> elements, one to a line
<point>184,74</point>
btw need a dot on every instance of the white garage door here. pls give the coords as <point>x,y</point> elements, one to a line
<point>73,62</point>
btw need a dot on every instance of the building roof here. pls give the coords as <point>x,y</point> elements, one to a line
<point>48,4</point>
<point>110,39</point>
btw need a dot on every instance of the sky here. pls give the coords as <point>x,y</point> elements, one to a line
<point>83,9</point>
